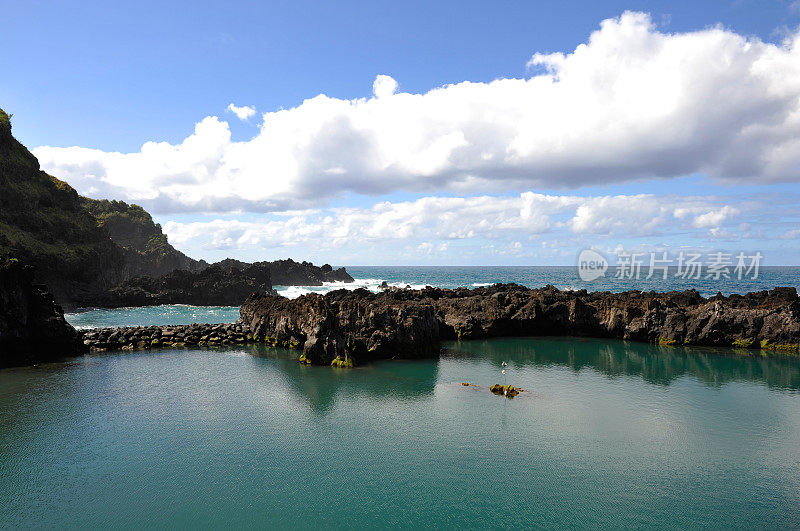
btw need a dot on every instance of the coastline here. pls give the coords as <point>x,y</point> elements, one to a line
<point>346,328</point>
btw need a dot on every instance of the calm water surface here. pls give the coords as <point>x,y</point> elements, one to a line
<point>609,434</point>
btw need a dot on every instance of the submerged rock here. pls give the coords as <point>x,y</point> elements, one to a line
<point>506,390</point>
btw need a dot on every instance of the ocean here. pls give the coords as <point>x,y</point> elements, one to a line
<point>371,277</point>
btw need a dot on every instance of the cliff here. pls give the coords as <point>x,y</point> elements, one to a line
<point>145,247</point>
<point>78,247</point>
<point>110,253</point>
<point>359,326</point>
<point>32,326</point>
<point>43,223</point>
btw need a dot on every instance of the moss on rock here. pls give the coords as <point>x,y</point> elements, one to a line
<point>744,343</point>
<point>344,363</point>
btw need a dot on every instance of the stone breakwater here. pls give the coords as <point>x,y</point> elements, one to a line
<point>345,328</point>
<point>176,336</point>
<point>146,337</point>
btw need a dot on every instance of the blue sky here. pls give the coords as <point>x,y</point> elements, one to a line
<point>109,78</point>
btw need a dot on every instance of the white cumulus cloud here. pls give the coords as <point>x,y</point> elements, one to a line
<point>243,113</point>
<point>630,103</point>
<point>384,86</point>
<point>437,222</point>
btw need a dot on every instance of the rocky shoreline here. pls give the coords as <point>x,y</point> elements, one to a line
<point>346,328</point>
<point>358,326</point>
<point>110,254</point>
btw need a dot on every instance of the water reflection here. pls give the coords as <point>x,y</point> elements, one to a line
<point>655,364</point>
<point>320,386</point>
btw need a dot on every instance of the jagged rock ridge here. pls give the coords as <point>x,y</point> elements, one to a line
<point>363,326</point>
<point>291,273</point>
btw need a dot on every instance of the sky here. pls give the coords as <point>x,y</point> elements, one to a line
<point>446,133</point>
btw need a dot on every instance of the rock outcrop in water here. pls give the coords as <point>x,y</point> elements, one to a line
<point>506,390</point>
<point>290,273</point>
<point>225,283</point>
<point>32,326</point>
<point>217,285</point>
<point>361,326</point>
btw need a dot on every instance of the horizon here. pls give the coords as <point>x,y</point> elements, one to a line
<point>408,142</point>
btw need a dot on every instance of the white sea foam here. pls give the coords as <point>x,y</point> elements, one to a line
<point>482,284</point>
<point>371,284</point>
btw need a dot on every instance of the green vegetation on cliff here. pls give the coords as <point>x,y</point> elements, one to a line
<point>131,227</point>
<point>83,249</point>
<point>78,246</point>
<point>5,121</point>
<point>43,223</point>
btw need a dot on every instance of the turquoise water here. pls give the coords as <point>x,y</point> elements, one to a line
<point>609,434</point>
<point>444,277</point>
<point>153,315</point>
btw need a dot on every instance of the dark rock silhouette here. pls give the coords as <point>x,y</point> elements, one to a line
<point>217,285</point>
<point>32,326</point>
<point>226,283</point>
<point>290,273</point>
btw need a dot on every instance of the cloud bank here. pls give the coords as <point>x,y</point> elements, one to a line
<point>529,220</point>
<point>631,103</point>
